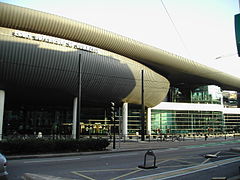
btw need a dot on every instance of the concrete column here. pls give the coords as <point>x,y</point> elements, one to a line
<point>125,119</point>
<point>149,121</point>
<point>238,96</point>
<point>2,99</point>
<point>74,125</point>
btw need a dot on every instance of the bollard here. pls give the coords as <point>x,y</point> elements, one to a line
<point>144,166</point>
<point>206,137</point>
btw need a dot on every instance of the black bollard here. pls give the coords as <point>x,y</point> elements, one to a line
<point>206,137</point>
<point>144,166</point>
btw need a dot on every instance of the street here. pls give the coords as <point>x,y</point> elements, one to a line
<point>187,162</point>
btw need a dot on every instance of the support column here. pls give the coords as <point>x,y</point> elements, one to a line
<point>149,121</point>
<point>125,119</point>
<point>2,99</point>
<point>74,125</point>
<point>238,96</point>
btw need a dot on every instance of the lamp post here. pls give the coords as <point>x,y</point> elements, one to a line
<point>143,108</point>
<point>79,96</point>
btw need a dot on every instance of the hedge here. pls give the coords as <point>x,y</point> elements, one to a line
<point>36,146</point>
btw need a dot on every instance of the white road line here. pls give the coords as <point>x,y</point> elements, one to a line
<point>119,155</point>
<point>188,170</point>
<point>51,160</point>
<point>165,150</point>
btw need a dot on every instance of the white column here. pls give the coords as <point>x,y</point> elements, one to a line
<point>74,125</point>
<point>149,121</point>
<point>125,119</point>
<point>2,99</point>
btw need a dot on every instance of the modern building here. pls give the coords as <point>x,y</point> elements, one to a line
<point>44,59</point>
<point>206,113</point>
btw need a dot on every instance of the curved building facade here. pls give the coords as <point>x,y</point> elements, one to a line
<point>44,57</point>
<point>39,75</point>
<point>37,64</point>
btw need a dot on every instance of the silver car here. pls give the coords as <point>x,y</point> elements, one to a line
<point>3,167</point>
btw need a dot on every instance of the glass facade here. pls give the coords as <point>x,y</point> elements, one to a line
<point>204,95</point>
<point>31,120</point>
<point>232,122</point>
<point>52,120</point>
<point>230,99</point>
<point>207,95</point>
<point>171,121</point>
<point>134,119</point>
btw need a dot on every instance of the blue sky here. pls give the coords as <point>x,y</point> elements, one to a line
<point>206,27</point>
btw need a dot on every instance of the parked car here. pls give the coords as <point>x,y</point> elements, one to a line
<point>3,167</point>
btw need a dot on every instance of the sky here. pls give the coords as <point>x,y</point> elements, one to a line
<point>201,30</point>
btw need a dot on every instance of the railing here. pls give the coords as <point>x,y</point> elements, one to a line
<point>135,138</point>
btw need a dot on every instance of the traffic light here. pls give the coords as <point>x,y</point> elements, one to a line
<point>112,109</point>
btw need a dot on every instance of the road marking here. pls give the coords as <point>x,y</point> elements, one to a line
<point>210,158</point>
<point>229,155</point>
<point>193,146</point>
<point>188,170</point>
<point>51,160</point>
<point>82,175</point>
<point>119,155</point>
<point>166,150</point>
<point>105,170</point>
<point>177,160</point>
<point>211,144</point>
<point>183,161</point>
<point>124,175</point>
<point>79,173</point>
<point>205,161</point>
<point>163,161</point>
<point>179,165</point>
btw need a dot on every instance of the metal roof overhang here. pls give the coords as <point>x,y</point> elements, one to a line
<point>176,69</point>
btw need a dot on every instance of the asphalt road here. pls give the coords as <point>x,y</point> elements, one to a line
<point>185,162</point>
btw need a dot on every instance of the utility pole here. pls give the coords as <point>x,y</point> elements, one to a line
<point>143,109</point>
<point>79,97</point>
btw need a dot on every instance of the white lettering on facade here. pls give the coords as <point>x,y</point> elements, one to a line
<point>56,41</point>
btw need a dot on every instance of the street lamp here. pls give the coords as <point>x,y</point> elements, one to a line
<point>79,96</point>
<point>143,109</point>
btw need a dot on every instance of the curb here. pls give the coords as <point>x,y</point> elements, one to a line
<point>77,154</point>
<point>15,157</point>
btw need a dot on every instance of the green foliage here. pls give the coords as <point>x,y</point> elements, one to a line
<point>34,146</point>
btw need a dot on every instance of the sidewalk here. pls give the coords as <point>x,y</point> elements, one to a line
<point>131,145</point>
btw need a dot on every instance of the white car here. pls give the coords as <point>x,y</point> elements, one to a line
<point>3,167</point>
